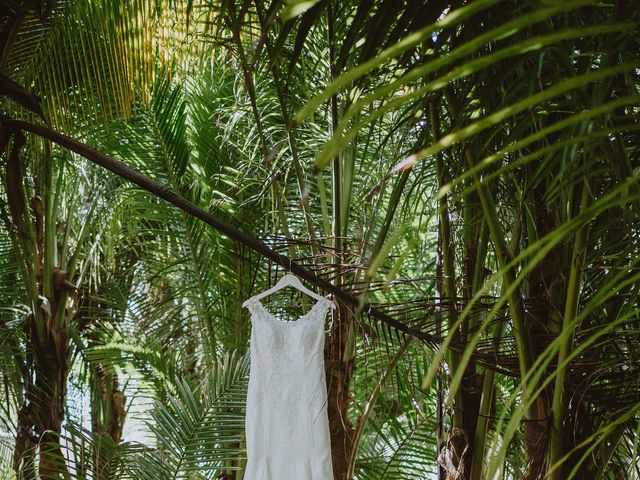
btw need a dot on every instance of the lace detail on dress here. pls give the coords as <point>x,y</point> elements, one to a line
<point>253,306</point>
<point>287,430</point>
<point>316,312</point>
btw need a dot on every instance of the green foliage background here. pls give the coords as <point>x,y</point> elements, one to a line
<point>470,168</point>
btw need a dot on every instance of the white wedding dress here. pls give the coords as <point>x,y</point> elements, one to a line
<point>287,429</point>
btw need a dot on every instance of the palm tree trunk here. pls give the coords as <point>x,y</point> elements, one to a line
<point>42,413</point>
<point>24,450</point>
<point>41,416</point>
<point>339,370</point>
<point>107,411</point>
<point>52,370</point>
<point>339,364</point>
<point>459,457</point>
<point>544,280</point>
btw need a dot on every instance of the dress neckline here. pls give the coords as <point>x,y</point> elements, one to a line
<point>301,319</point>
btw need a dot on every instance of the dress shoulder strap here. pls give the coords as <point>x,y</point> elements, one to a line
<point>253,305</point>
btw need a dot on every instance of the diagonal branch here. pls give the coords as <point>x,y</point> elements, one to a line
<point>126,172</point>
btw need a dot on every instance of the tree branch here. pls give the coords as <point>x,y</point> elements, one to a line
<point>126,172</point>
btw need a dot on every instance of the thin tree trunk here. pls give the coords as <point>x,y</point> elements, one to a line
<point>41,414</point>
<point>107,411</point>
<point>544,280</point>
<point>458,458</point>
<point>40,417</point>
<point>52,371</point>
<point>26,443</point>
<point>339,364</point>
<point>339,371</point>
